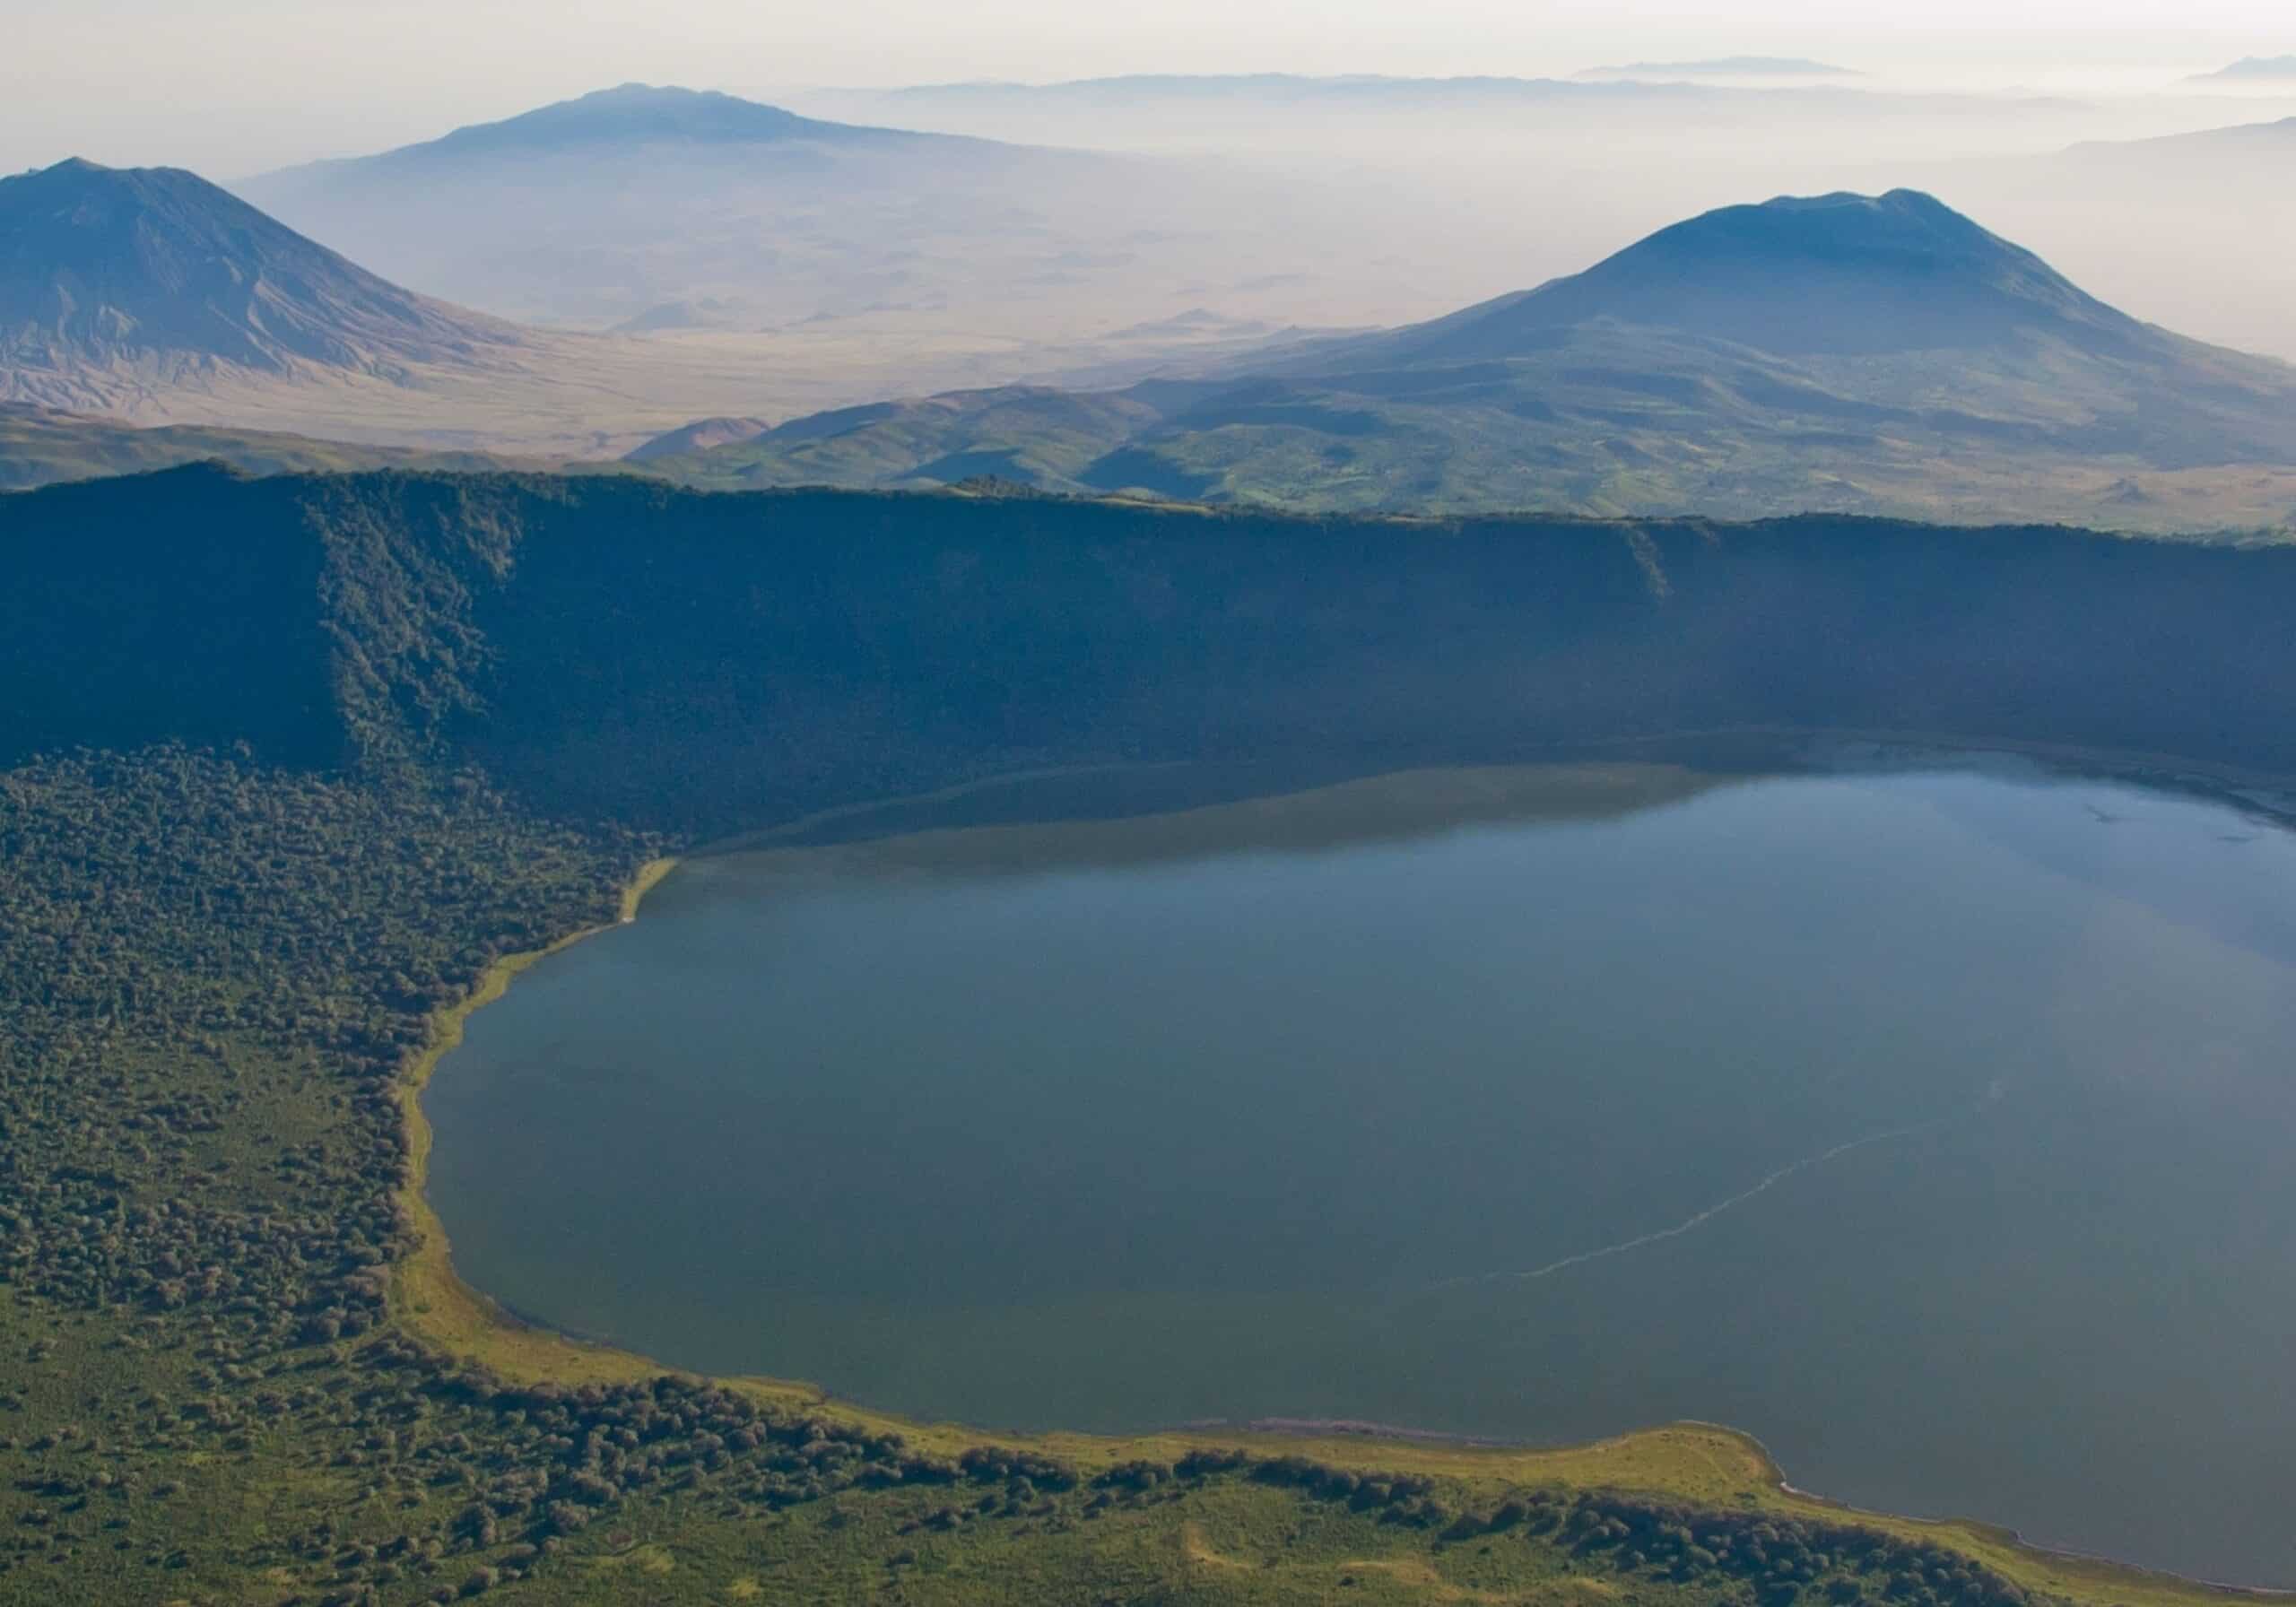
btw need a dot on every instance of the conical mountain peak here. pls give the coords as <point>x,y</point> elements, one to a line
<point>106,272</point>
<point>1839,273</point>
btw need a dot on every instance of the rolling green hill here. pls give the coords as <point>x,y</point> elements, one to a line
<point>294,770</point>
<point>1882,356</point>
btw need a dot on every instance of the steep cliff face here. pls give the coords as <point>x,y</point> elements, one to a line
<point>704,661</point>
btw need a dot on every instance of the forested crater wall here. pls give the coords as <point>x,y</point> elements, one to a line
<point>697,663</point>
<point>221,968</point>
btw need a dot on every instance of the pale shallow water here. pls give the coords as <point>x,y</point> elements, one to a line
<point>1933,1125</point>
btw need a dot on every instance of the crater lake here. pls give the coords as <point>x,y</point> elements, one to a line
<point>1927,1116</point>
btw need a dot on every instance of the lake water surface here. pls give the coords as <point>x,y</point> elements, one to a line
<point>1933,1123</point>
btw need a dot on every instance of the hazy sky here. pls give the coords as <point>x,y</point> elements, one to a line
<point>232,86</point>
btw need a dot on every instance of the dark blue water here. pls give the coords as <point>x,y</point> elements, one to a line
<point>1934,1125</point>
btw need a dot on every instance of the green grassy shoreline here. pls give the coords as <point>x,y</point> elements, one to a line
<point>426,1294</point>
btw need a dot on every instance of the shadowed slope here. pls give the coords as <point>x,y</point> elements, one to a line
<point>613,644</point>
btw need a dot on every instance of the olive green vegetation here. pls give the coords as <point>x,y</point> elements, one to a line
<point>298,769</point>
<point>1616,423</point>
<point>40,445</point>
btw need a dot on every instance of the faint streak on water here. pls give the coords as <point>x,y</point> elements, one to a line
<point>1690,1224</point>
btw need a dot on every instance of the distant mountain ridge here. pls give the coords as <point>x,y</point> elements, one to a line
<point>1872,354</point>
<point>1651,82</point>
<point>644,111</point>
<point>633,114</point>
<point>115,279</point>
<point>2266,68</point>
<point>2265,139</point>
<point>154,295</point>
<point>645,208</point>
<point>1727,67</point>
